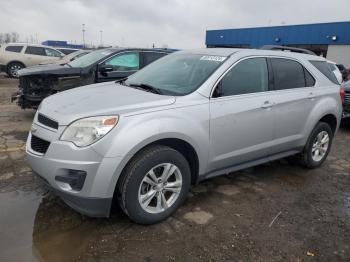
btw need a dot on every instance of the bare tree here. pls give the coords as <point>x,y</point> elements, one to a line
<point>7,38</point>
<point>15,37</point>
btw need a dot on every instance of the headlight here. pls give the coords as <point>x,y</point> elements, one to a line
<point>86,131</point>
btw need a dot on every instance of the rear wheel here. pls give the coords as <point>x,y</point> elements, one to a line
<point>13,68</point>
<point>318,146</point>
<point>154,184</point>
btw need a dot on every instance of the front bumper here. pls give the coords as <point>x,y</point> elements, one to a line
<point>92,207</point>
<point>95,197</point>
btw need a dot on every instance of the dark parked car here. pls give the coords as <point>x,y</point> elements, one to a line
<point>36,83</point>
<point>346,102</point>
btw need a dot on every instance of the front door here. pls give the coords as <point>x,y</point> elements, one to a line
<point>241,122</point>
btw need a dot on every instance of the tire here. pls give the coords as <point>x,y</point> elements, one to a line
<point>309,156</point>
<point>134,190</point>
<point>13,68</point>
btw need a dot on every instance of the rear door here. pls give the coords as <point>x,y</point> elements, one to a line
<point>241,119</point>
<point>34,55</point>
<point>123,64</point>
<point>294,96</point>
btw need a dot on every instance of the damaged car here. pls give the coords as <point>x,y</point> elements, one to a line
<point>36,83</point>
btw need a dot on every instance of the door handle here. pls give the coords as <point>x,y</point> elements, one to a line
<point>267,104</point>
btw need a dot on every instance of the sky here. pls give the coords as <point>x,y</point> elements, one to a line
<point>142,23</point>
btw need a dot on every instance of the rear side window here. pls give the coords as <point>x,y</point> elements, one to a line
<point>248,76</point>
<point>290,74</point>
<point>150,57</point>
<point>35,50</point>
<point>309,79</point>
<point>325,69</point>
<point>14,48</point>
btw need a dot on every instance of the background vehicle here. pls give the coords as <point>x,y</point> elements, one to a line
<point>187,117</point>
<point>346,102</point>
<point>102,65</point>
<point>16,56</point>
<point>67,58</point>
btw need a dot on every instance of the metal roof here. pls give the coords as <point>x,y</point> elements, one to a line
<point>337,33</point>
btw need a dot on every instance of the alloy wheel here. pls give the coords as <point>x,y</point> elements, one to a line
<point>160,188</point>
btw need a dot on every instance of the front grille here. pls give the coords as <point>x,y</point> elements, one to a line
<point>39,145</point>
<point>47,121</point>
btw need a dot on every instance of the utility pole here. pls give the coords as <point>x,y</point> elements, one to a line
<point>83,30</point>
<point>101,44</point>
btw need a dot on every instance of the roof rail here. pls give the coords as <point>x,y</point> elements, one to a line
<point>287,48</point>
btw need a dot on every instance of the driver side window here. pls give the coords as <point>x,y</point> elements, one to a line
<point>124,62</point>
<point>248,76</point>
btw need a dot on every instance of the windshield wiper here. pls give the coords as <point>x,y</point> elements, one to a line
<point>121,81</point>
<point>146,87</point>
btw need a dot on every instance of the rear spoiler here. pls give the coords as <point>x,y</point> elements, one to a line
<point>287,48</point>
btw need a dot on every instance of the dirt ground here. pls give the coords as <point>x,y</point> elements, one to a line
<point>273,212</point>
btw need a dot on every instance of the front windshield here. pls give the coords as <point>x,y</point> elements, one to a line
<point>90,58</point>
<point>177,74</point>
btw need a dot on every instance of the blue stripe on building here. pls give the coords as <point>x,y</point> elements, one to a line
<point>337,33</point>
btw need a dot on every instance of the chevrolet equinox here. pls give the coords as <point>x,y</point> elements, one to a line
<point>189,116</point>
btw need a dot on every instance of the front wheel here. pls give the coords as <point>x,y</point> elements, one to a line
<point>318,146</point>
<point>154,184</point>
<point>13,68</point>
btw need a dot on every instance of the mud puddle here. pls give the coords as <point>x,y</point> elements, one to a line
<point>36,227</point>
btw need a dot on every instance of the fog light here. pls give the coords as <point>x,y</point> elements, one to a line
<point>74,179</point>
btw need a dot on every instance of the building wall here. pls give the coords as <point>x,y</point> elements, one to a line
<point>315,34</point>
<point>339,54</point>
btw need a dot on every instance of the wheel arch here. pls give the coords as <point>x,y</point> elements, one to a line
<point>14,61</point>
<point>181,145</point>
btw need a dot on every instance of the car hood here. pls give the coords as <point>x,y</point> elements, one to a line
<point>100,99</point>
<point>52,69</point>
<point>61,61</point>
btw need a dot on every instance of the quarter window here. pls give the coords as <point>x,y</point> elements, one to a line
<point>14,48</point>
<point>248,76</point>
<point>324,68</point>
<point>124,62</point>
<point>35,50</point>
<point>150,57</point>
<point>290,74</point>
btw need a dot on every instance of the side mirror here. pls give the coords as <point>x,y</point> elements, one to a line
<point>103,69</point>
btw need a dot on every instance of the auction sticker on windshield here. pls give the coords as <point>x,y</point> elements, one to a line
<point>213,58</point>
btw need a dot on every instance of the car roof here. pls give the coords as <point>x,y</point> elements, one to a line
<point>229,51</point>
<point>119,49</point>
<point>28,44</point>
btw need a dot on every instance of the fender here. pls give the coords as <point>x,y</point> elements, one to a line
<point>327,105</point>
<point>135,132</point>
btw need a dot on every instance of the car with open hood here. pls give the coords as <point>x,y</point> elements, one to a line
<point>36,83</point>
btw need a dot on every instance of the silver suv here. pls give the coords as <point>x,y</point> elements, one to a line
<point>187,117</point>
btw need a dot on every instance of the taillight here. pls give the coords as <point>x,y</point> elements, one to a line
<point>342,94</point>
